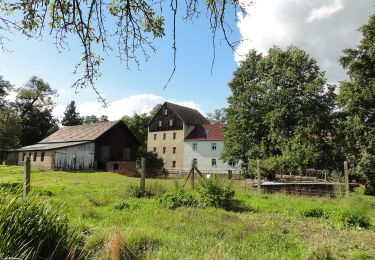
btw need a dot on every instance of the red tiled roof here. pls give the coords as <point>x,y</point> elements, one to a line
<point>206,132</point>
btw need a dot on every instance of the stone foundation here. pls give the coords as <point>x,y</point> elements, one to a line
<point>127,168</point>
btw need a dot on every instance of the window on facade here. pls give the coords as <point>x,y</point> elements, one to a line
<point>154,136</point>
<point>23,156</point>
<point>174,136</point>
<point>105,151</point>
<point>42,157</point>
<point>164,136</point>
<point>165,112</point>
<point>160,123</point>
<point>35,155</point>
<point>213,146</point>
<point>126,154</point>
<point>174,149</point>
<point>170,122</point>
<point>164,149</point>
<point>195,162</point>
<point>173,164</point>
<point>154,149</point>
<point>195,146</point>
<point>213,162</point>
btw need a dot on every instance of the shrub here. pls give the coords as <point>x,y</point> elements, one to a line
<point>179,198</point>
<point>29,229</point>
<point>313,213</point>
<point>354,211</point>
<point>121,206</point>
<point>215,193</point>
<point>152,189</point>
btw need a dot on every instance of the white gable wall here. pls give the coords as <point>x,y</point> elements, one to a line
<point>204,155</point>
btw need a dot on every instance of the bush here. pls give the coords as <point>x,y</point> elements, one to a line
<point>31,230</point>
<point>179,198</point>
<point>215,193</point>
<point>354,211</point>
<point>152,189</point>
<point>313,213</point>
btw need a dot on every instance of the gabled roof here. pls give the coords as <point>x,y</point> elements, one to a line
<point>206,132</point>
<point>190,116</point>
<point>77,133</point>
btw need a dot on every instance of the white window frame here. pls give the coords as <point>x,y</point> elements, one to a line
<point>170,122</point>
<point>165,111</point>
<point>160,123</point>
<point>213,162</point>
<point>213,147</point>
<point>195,147</point>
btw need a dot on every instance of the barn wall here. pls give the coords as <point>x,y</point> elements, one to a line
<point>47,163</point>
<point>78,157</point>
<point>117,138</point>
<point>124,167</point>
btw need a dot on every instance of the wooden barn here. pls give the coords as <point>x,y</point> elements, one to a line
<point>107,146</point>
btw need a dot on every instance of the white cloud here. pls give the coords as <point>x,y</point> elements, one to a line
<point>324,11</point>
<point>323,28</point>
<point>142,103</point>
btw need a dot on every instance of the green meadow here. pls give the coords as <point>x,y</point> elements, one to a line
<point>102,205</point>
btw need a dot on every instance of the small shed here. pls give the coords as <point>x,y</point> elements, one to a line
<point>107,146</point>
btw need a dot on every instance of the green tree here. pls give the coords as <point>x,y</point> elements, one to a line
<point>5,86</point>
<point>137,124</point>
<point>71,116</point>
<point>10,129</point>
<point>90,119</point>
<point>95,24</point>
<point>103,118</point>
<point>218,116</point>
<point>357,100</point>
<point>279,111</point>
<point>34,105</point>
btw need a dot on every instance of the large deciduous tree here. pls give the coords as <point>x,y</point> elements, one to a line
<point>357,100</point>
<point>10,129</point>
<point>132,25</point>
<point>279,111</point>
<point>71,116</point>
<point>34,105</point>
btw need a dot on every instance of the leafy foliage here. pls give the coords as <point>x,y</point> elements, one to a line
<point>279,111</point>
<point>179,198</point>
<point>154,163</point>
<point>34,105</point>
<point>71,116</point>
<point>10,125</point>
<point>357,99</point>
<point>5,86</point>
<point>215,193</point>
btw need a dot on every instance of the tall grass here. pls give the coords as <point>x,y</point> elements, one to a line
<point>31,230</point>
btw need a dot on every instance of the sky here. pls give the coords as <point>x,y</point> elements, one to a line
<point>321,27</point>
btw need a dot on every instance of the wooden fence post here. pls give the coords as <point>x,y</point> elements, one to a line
<point>346,175</point>
<point>143,175</point>
<point>258,175</point>
<point>192,177</point>
<point>26,177</point>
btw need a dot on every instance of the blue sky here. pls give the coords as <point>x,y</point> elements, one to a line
<point>322,27</point>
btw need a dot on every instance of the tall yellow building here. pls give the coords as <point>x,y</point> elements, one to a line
<point>168,130</point>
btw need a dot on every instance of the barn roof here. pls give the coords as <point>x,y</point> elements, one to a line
<point>48,146</point>
<point>78,133</point>
<point>189,115</point>
<point>206,132</point>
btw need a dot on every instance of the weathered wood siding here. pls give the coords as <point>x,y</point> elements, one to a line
<point>117,138</point>
<point>47,162</point>
<point>178,124</point>
<point>78,157</point>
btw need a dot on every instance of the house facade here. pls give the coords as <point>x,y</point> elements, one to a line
<point>108,146</point>
<point>167,132</point>
<point>203,147</point>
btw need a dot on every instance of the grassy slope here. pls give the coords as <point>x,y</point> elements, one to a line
<point>272,228</point>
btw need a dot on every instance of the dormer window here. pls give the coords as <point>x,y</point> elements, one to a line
<point>165,112</point>
<point>170,122</point>
<point>160,123</point>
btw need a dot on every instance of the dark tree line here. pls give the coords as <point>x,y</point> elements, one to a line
<point>283,112</point>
